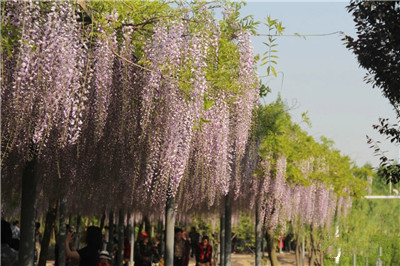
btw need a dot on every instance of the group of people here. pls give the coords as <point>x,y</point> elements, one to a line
<point>10,238</point>
<point>89,255</point>
<point>9,247</point>
<point>185,245</point>
<point>147,253</point>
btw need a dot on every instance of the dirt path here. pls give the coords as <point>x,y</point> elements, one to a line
<point>248,260</point>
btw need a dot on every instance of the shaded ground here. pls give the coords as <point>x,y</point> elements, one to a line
<point>245,260</point>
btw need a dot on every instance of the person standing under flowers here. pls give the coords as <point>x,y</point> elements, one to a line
<point>89,255</point>
<point>179,247</point>
<point>143,250</point>
<point>194,240</point>
<point>204,252</point>
<point>104,258</point>
<point>186,251</point>
<point>38,242</point>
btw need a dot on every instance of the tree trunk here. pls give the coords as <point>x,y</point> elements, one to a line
<point>228,230</point>
<point>120,255</point>
<point>169,231</point>
<point>129,237</point>
<point>110,243</point>
<point>258,235</point>
<point>78,228</point>
<point>160,227</point>
<point>102,220</point>
<point>317,255</point>
<point>128,224</point>
<point>303,251</point>
<point>311,255</point>
<point>271,247</point>
<point>316,252</point>
<point>222,239</point>
<point>262,244</point>
<point>132,242</point>
<point>62,233</point>
<point>50,220</point>
<point>56,230</point>
<point>28,205</point>
<point>298,250</point>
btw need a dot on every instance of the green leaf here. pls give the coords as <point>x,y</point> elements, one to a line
<point>274,71</point>
<point>202,120</point>
<point>207,104</point>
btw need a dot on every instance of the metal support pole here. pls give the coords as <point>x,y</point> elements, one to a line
<point>132,238</point>
<point>378,260</point>
<point>354,259</point>
<point>169,230</point>
<point>132,241</point>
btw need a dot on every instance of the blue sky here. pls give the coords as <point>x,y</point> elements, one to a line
<point>322,77</point>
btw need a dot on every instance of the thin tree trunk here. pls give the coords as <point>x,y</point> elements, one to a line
<point>50,220</point>
<point>169,231</point>
<point>298,250</point>
<point>120,255</point>
<point>222,239</point>
<point>110,243</point>
<point>160,227</point>
<point>258,235</point>
<point>128,224</point>
<point>102,220</point>
<point>262,243</point>
<point>56,229</point>
<point>313,250</point>
<point>62,233</point>
<point>228,230</point>
<point>78,228</point>
<point>28,204</point>
<point>128,233</point>
<point>271,247</point>
<point>132,243</point>
<point>317,251</point>
<point>321,258</point>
